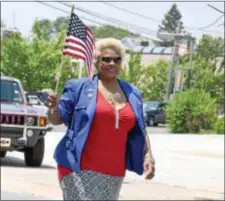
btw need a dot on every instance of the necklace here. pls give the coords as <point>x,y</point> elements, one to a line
<point>113,98</point>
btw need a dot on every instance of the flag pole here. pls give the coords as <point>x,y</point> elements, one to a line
<point>58,74</point>
<point>80,70</point>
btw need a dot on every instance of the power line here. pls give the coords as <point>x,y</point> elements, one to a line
<point>137,14</point>
<point>210,25</point>
<point>110,19</point>
<point>215,8</point>
<point>156,20</point>
<point>68,12</point>
<point>53,6</point>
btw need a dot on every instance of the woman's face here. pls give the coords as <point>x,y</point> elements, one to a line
<point>109,64</point>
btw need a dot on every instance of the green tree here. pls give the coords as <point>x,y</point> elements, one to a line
<point>207,73</point>
<point>171,23</point>
<point>204,77</point>
<point>191,111</point>
<point>35,61</point>
<point>219,126</point>
<point>43,29</point>
<point>61,23</point>
<point>153,80</point>
<point>210,48</point>
<point>15,56</point>
<point>209,80</point>
<point>12,34</point>
<point>109,31</point>
<point>135,67</point>
<point>132,71</point>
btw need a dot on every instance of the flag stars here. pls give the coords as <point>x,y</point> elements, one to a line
<point>77,31</point>
<point>77,28</point>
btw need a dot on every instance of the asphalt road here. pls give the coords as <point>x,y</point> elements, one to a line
<point>188,161</point>
<point>6,195</point>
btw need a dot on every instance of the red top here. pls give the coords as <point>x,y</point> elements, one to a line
<point>105,147</point>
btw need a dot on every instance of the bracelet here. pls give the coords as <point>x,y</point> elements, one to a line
<point>53,110</point>
<point>151,159</point>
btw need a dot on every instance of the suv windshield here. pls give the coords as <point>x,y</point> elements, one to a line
<point>151,105</point>
<point>10,91</point>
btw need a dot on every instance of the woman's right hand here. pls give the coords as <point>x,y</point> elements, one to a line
<point>53,101</point>
<point>53,114</point>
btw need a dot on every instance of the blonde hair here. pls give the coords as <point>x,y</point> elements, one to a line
<point>111,43</point>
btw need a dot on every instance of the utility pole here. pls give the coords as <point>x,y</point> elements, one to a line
<point>171,66</point>
<point>170,75</point>
<point>190,62</point>
<point>176,37</point>
<point>176,66</point>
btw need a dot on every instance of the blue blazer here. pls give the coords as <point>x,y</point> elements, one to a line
<point>77,107</point>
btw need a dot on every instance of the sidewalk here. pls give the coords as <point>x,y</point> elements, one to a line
<point>148,190</point>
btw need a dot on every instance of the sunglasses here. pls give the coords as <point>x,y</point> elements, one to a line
<point>109,59</point>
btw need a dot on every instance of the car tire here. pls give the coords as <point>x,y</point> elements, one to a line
<point>151,121</point>
<point>35,155</point>
<point>2,154</point>
<point>155,124</point>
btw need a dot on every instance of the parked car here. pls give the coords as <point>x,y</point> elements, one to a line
<point>154,112</point>
<point>23,127</point>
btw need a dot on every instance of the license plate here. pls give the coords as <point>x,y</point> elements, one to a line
<point>5,142</point>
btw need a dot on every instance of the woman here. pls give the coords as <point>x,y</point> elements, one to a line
<point>106,131</point>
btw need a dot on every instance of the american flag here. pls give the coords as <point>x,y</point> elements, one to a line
<point>80,42</point>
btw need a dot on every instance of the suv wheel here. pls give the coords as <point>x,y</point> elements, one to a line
<point>2,154</point>
<point>151,121</point>
<point>34,156</point>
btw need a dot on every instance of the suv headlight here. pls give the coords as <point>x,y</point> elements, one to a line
<point>30,121</point>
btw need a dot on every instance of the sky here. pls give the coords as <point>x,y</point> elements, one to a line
<point>194,14</point>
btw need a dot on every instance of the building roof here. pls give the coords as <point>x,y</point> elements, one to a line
<point>131,44</point>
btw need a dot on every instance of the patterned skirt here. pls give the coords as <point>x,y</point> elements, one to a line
<point>89,185</point>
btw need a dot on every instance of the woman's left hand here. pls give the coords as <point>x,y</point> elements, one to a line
<point>149,169</point>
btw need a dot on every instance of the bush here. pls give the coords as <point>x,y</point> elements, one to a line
<point>191,112</point>
<point>219,125</point>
